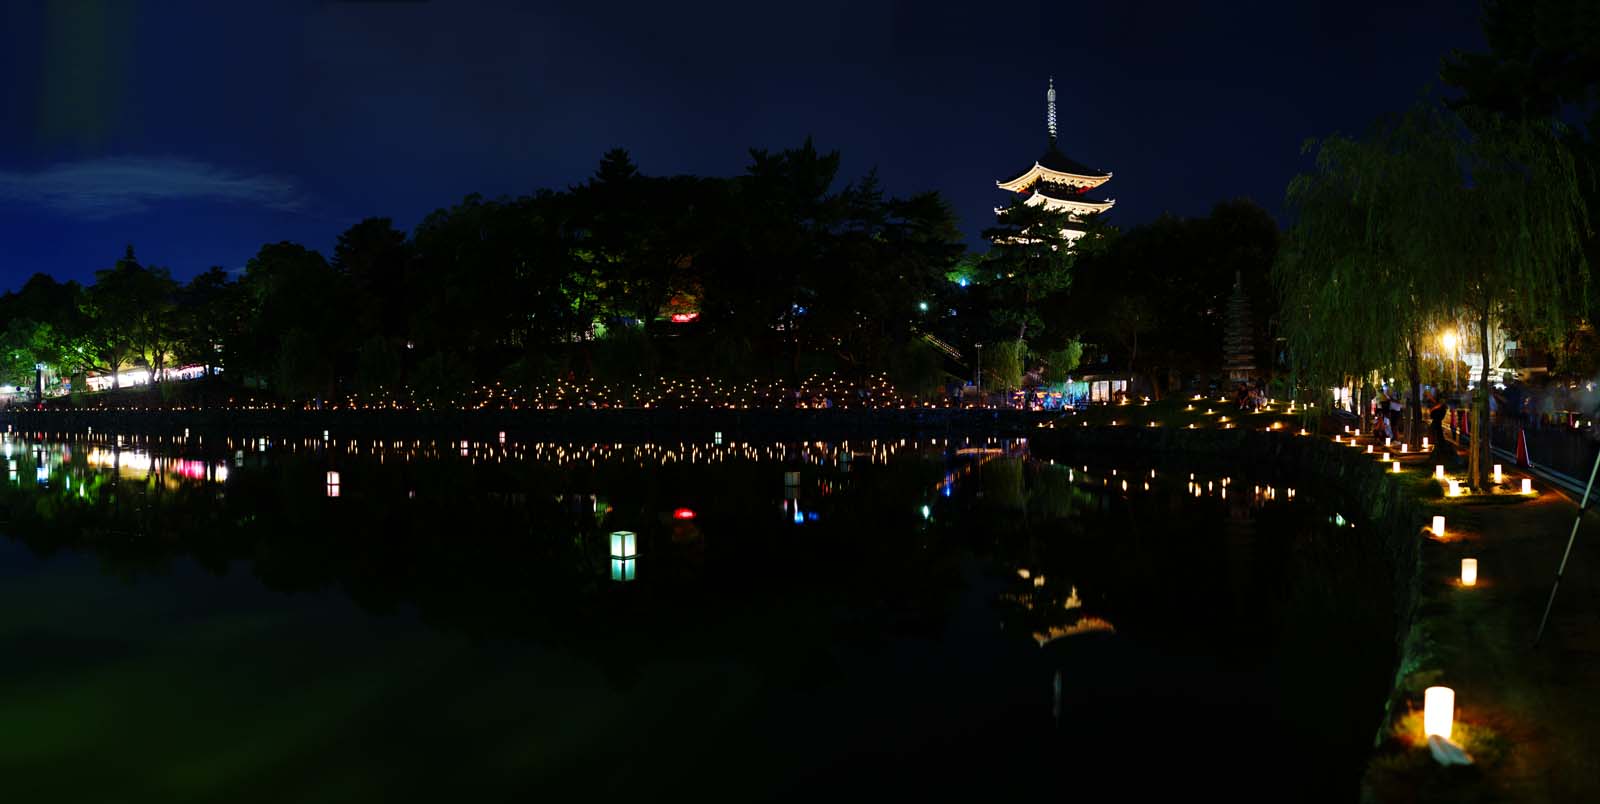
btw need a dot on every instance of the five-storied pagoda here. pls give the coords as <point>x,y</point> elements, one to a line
<point>1058,182</point>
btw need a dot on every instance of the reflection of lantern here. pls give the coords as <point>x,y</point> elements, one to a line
<point>716,438</point>
<point>623,569</point>
<point>1438,711</point>
<point>1527,486</point>
<point>791,478</point>
<point>1469,571</point>
<point>1438,526</point>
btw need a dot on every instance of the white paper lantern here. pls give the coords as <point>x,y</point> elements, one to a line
<point>1469,572</point>
<point>1438,526</point>
<point>1438,711</point>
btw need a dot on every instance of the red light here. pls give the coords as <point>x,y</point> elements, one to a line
<point>684,318</point>
<point>683,513</point>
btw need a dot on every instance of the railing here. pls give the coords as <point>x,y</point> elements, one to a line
<point>1568,450</point>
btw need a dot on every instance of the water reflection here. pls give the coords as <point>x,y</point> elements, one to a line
<point>953,599</point>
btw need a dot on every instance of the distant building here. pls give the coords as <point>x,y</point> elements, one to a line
<point>1057,182</point>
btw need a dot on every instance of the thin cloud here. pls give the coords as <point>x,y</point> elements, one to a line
<point>105,188</point>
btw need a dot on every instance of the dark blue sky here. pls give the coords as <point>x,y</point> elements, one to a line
<point>199,131</point>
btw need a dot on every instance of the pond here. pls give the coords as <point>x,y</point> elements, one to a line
<point>325,620</point>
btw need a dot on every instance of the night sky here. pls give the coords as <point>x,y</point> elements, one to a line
<point>199,131</point>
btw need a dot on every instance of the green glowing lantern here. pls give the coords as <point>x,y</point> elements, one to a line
<point>624,555</point>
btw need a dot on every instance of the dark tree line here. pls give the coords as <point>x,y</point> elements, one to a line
<point>778,273</point>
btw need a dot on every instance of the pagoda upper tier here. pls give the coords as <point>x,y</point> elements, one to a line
<point>1057,182</point>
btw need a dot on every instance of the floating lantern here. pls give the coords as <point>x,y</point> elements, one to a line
<point>927,512</point>
<point>1469,572</point>
<point>1438,471</point>
<point>1369,449</point>
<point>1397,467</point>
<point>1386,440</point>
<point>1497,474</point>
<point>1527,486</point>
<point>1455,487</point>
<point>1424,442</point>
<point>1404,448</point>
<point>1024,574</point>
<point>333,478</point>
<point>1386,456</point>
<point>502,436</point>
<point>1438,711</point>
<point>1438,526</point>
<point>716,438</point>
<point>683,513</point>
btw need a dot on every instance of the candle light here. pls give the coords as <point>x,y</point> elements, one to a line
<point>1438,526</point>
<point>1469,572</point>
<point>1438,711</point>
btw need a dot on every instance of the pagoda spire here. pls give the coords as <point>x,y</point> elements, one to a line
<point>1050,111</point>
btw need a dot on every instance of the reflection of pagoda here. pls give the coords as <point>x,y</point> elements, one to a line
<point>1059,183</point>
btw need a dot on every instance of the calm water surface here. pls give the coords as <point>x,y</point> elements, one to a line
<point>209,622</point>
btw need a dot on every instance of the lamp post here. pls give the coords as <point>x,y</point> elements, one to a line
<point>38,384</point>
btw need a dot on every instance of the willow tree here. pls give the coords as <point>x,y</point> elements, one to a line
<point>1351,305</point>
<point>1497,224</point>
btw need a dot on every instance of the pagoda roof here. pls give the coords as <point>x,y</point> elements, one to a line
<point>1056,167</point>
<point>1057,161</point>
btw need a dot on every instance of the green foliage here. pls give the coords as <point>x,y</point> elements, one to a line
<point>624,354</point>
<point>1003,363</point>
<point>378,364</point>
<point>1058,363</point>
<point>918,368</point>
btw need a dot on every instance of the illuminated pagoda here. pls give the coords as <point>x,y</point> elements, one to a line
<point>1057,182</point>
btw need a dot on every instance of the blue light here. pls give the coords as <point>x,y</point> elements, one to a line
<point>799,518</point>
<point>962,281</point>
<point>948,490</point>
<point>811,516</point>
